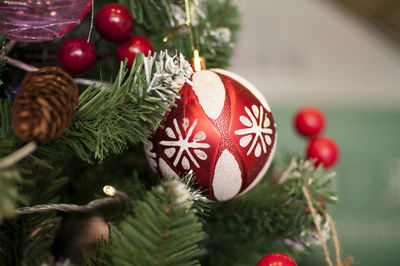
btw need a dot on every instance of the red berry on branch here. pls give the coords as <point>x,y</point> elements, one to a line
<point>309,121</point>
<point>324,150</point>
<point>77,55</point>
<point>114,22</point>
<point>134,45</point>
<point>276,259</point>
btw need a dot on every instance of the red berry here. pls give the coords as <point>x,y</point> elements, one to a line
<point>309,121</point>
<point>276,259</point>
<point>135,44</point>
<point>114,22</point>
<point>76,55</point>
<point>324,150</point>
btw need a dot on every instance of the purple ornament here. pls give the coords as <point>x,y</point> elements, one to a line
<point>41,20</point>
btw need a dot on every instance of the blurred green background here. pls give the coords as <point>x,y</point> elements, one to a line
<point>367,181</point>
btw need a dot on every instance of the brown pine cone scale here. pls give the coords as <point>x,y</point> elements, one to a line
<point>45,104</point>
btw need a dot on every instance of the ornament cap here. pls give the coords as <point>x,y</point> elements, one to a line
<point>198,62</point>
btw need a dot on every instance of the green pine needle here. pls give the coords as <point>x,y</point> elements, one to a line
<point>262,219</point>
<point>162,231</point>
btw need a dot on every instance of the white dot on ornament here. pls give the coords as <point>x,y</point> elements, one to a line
<point>185,163</point>
<point>227,179</point>
<point>257,151</point>
<point>266,122</point>
<point>255,110</point>
<point>244,141</point>
<point>268,139</point>
<point>210,91</point>
<point>200,154</point>
<point>185,123</point>
<point>170,133</point>
<point>169,152</point>
<point>200,136</point>
<point>245,121</point>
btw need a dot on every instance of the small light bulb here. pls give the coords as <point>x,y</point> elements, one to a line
<point>109,190</point>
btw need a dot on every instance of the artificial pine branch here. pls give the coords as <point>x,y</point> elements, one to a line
<point>9,196</point>
<point>9,141</point>
<point>217,24</point>
<point>162,230</point>
<point>108,119</point>
<point>26,239</point>
<point>273,214</point>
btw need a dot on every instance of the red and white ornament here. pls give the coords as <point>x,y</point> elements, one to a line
<point>222,129</point>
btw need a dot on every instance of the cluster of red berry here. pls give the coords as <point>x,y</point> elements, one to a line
<point>114,23</point>
<point>310,122</point>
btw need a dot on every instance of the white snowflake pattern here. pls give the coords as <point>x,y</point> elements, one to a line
<point>257,128</point>
<point>180,145</point>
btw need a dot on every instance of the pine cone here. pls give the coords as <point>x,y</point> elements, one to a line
<point>45,105</point>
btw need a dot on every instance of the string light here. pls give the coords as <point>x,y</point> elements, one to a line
<point>109,190</point>
<point>115,197</point>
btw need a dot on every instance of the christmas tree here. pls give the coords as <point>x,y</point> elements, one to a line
<point>87,83</point>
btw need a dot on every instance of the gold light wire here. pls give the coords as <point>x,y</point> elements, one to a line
<point>191,16</point>
<point>189,23</point>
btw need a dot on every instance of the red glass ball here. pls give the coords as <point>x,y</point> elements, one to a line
<point>309,121</point>
<point>222,129</point>
<point>76,55</point>
<point>135,44</point>
<point>324,150</point>
<point>276,259</point>
<point>114,22</point>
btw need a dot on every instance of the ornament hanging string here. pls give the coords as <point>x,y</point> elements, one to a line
<point>191,19</point>
<point>91,22</point>
<point>336,243</point>
<point>31,68</point>
<point>191,24</point>
<point>196,29</point>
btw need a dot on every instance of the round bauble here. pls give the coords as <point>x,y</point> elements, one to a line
<point>324,150</point>
<point>114,22</point>
<point>134,45</point>
<point>309,121</point>
<point>77,55</point>
<point>222,129</point>
<point>276,259</point>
